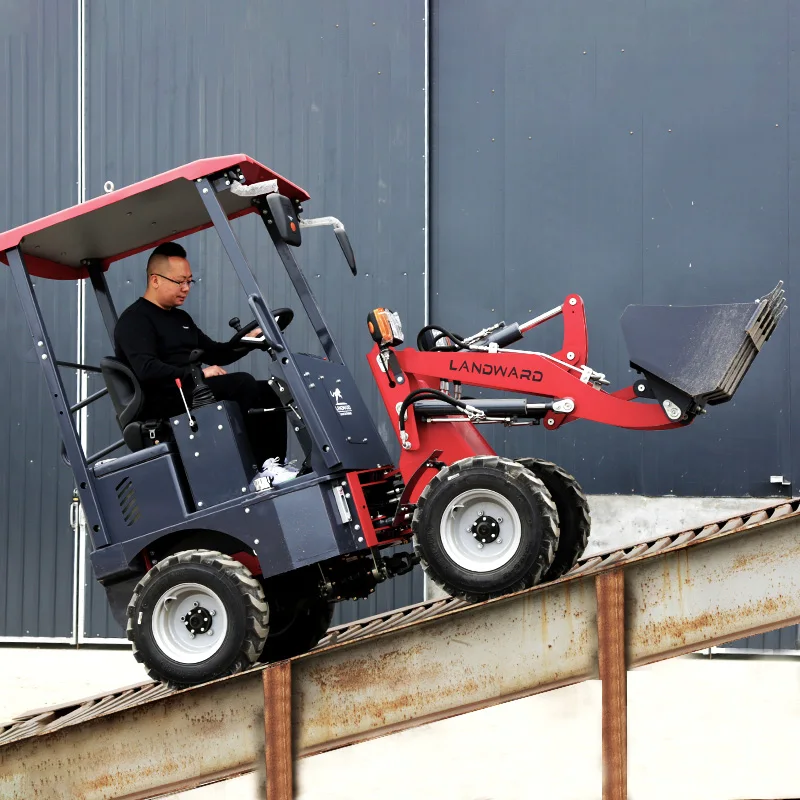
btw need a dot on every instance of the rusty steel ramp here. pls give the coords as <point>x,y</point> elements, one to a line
<point>615,611</point>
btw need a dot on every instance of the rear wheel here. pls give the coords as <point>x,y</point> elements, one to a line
<point>485,526</point>
<point>195,616</point>
<point>573,514</point>
<point>296,625</point>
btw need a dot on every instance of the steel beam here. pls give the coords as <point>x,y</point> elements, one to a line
<point>278,730</point>
<point>682,593</point>
<point>613,674</point>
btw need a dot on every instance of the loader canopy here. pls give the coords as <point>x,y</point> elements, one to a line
<point>134,218</point>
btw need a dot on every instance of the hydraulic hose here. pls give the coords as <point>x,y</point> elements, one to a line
<point>459,343</point>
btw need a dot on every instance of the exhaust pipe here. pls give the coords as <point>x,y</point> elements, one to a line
<point>692,356</point>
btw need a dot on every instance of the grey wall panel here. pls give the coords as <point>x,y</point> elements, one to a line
<point>38,163</point>
<point>332,99</point>
<point>774,641</point>
<point>631,152</point>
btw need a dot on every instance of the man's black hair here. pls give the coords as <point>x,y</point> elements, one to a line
<point>167,249</point>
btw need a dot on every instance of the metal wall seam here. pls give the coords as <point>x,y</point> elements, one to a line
<point>79,532</point>
<point>427,159</point>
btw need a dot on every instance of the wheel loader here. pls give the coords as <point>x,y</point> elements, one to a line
<point>211,568</point>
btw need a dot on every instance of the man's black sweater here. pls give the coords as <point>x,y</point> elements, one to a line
<point>156,344</point>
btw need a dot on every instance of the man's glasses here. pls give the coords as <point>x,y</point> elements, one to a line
<point>188,284</point>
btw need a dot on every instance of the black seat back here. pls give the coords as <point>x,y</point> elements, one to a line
<point>124,390</point>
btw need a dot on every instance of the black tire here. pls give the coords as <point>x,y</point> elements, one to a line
<point>456,561</point>
<point>296,625</point>
<point>574,520</point>
<point>235,601</point>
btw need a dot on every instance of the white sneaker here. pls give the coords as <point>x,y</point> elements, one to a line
<point>277,473</point>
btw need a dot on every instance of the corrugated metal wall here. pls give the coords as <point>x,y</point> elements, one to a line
<point>634,152</point>
<point>334,100</point>
<point>38,82</point>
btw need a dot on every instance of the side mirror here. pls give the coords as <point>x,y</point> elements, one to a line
<point>285,219</point>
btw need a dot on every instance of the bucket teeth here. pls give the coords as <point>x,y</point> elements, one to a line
<point>770,309</point>
<point>765,319</point>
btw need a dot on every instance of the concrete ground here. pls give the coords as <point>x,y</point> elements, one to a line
<point>698,728</point>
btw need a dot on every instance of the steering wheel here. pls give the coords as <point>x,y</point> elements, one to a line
<point>283,316</point>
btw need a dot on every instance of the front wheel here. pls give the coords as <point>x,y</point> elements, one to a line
<point>485,526</point>
<point>196,616</point>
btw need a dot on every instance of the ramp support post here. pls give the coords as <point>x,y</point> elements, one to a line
<point>610,588</point>
<point>278,731</point>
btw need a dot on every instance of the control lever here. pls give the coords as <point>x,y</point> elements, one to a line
<point>192,421</point>
<point>235,324</point>
<point>201,394</point>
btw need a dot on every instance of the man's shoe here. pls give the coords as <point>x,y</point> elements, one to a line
<point>277,473</point>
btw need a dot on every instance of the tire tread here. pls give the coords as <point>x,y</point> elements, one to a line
<point>575,527</point>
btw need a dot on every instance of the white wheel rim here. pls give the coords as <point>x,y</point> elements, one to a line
<point>458,528</point>
<point>184,607</point>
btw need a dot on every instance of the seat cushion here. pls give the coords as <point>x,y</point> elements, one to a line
<point>132,459</point>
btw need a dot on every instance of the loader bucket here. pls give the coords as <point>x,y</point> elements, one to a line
<point>702,351</point>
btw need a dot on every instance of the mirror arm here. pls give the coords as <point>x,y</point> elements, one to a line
<point>341,236</point>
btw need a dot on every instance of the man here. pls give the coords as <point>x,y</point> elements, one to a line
<point>155,337</point>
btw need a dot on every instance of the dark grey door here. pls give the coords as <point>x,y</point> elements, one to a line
<point>38,154</point>
<point>334,100</point>
<point>632,152</point>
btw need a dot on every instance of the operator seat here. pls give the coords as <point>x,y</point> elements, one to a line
<point>127,396</point>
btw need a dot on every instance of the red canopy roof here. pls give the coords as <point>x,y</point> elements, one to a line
<point>134,218</point>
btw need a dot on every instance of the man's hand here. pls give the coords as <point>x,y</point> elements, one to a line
<point>213,371</point>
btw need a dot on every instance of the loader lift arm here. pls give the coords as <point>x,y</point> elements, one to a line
<point>682,377</point>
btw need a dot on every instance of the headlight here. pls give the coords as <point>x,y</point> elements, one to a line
<point>385,327</point>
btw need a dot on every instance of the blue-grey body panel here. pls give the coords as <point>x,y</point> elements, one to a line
<point>144,497</point>
<point>311,526</point>
<point>341,409</point>
<point>289,526</point>
<point>216,456</point>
